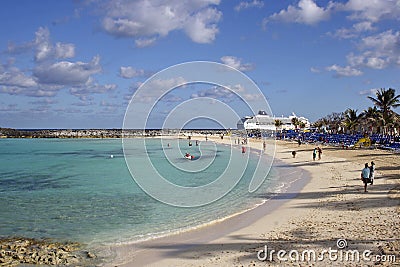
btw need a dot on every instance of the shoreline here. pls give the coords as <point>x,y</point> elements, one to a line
<point>150,251</point>
<point>329,207</point>
<point>147,252</point>
<point>314,215</point>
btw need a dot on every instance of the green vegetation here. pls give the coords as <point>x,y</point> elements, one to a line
<point>377,119</point>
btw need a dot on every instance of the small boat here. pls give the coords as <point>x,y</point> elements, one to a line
<point>188,156</point>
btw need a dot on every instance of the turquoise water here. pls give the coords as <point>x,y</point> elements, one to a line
<point>72,189</point>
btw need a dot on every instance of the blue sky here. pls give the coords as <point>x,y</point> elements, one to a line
<point>76,64</point>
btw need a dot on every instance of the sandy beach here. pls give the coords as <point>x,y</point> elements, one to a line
<point>331,206</point>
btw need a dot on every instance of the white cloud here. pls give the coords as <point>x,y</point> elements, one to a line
<point>376,63</point>
<point>71,110</point>
<point>43,46</point>
<point>355,60</point>
<point>146,21</point>
<point>130,72</point>
<point>216,92</point>
<point>227,94</point>
<point>252,97</point>
<point>171,98</point>
<point>47,79</point>
<point>383,42</point>
<point>373,11</point>
<point>237,88</point>
<point>91,87</point>
<point>48,75</point>
<point>14,77</point>
<point>201,28</point>
<point>354,31</point>
<point>370,92</point>
<point>104,103</point>
<point>83,102</point>
<point>67,73</point>
<point>306,12</point>
<point>12,48</point>
<point>249,4</point>
<point>8,108</point>
<point>377,51</point>
<point>64,50</point>
<point>236,63</point>
<point>44,101</point>
<point>144,42</point>
<point>364,26</point>
<point>155,88</point>
<point>344,71</point>
<point>33,92</point>
<point>315,70</point>
<point>46,50</point>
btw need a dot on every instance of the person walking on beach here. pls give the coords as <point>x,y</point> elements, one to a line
<point>314,154</point>
<point>365,176</point>
<point>372,172</point>
<point>319,152</point>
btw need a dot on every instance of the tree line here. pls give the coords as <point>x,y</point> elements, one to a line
<point>378,119</point>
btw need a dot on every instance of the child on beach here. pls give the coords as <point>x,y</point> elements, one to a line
<point>365,176</point>
<point>314,154</point>
<point>372,172</point>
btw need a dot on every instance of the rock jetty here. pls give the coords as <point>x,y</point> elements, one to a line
<point>16,251</point>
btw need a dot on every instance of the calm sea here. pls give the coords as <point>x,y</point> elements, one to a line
<point>73,189</point>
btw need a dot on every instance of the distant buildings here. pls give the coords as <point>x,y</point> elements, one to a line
<point>264,122</point>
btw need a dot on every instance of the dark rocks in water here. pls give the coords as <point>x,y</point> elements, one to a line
<point>14,251</point>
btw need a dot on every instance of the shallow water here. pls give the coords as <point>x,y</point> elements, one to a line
<point>72,189</point>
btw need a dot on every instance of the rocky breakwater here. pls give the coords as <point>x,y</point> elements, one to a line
<point>15,251</point>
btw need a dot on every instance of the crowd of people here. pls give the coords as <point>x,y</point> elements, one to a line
<point>344,140</point>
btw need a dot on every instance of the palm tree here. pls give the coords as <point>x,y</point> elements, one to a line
<point>396,123</point>
<point>278,123</point>
<point>335,120</point>
<point>371,117</point>
<point>318,124</point>
<point>325,122</point>
<point>351,120</point>
<point>391,122</point>
<point>295,122</point>
<point>385,100</point>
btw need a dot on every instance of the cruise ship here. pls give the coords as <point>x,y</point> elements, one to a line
<point>264,122</point>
